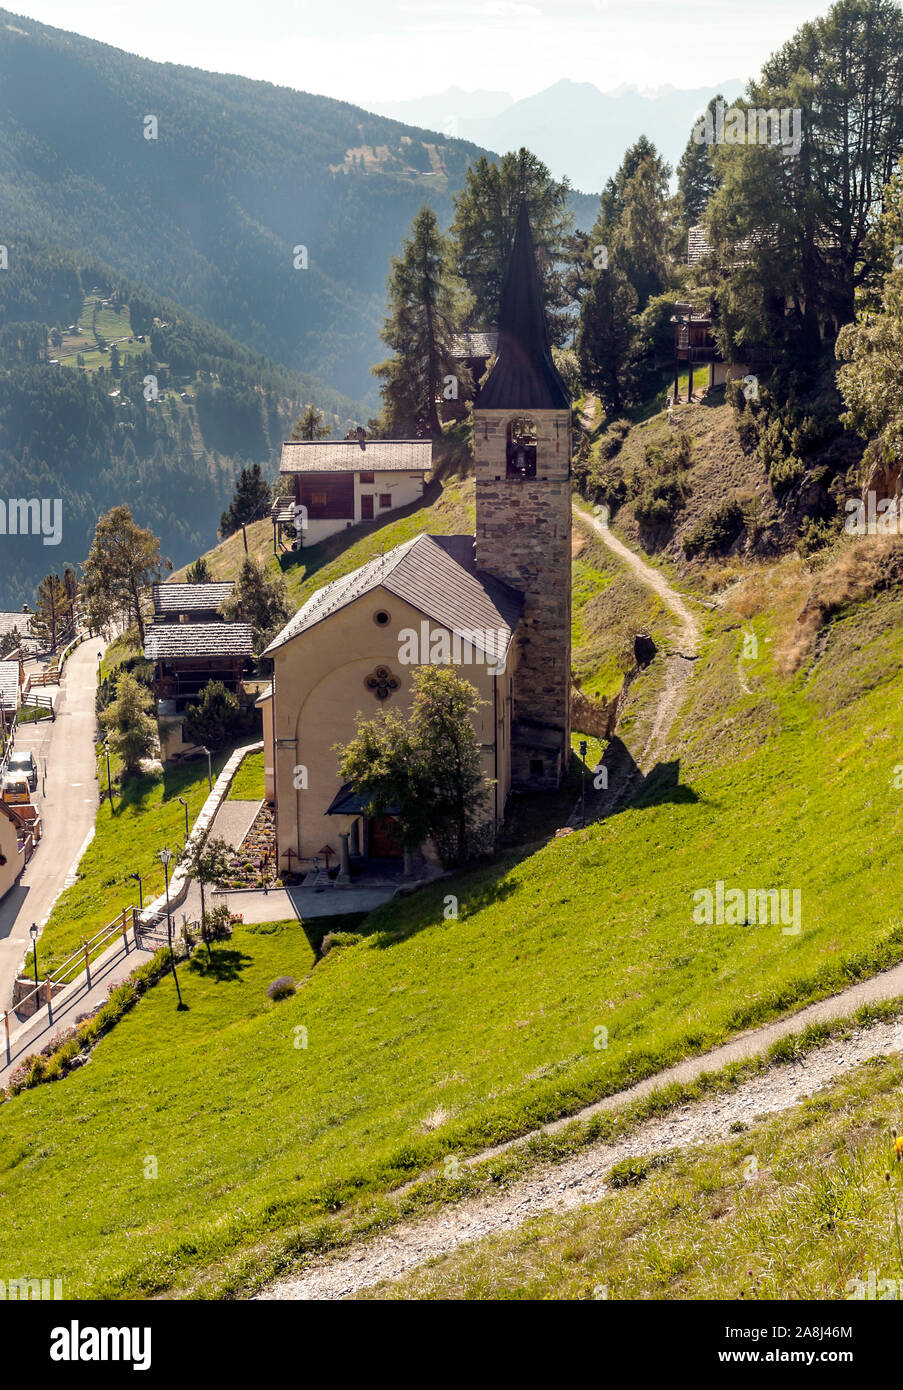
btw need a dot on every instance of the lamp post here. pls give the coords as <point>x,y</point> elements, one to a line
<point>165,856</point>
<point>106,749</point>
<point>184,803</point>
<point>583,746</point>
<point>140,891</point>
<point>209,769</point>
<point>33,933</point>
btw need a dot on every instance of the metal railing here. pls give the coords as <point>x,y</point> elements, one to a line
<point>78,962</point>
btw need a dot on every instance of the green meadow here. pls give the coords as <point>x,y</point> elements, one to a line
<point>566,974</point>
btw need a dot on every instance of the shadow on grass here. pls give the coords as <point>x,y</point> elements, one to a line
<point>628,788</point>
<point>222,964</point>
<point>313,558</point>
<point>133,793</point>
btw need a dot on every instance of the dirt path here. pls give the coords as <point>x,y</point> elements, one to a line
<point>653,579</point>
<point>678,665</point>
<point>582,1179</point>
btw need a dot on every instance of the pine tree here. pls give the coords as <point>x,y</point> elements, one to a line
<point>482,232</point>
<point>250,501</point>
<point>310,425</point>
<point>123,562</point>
<point>53,620</point>
<point>262,599</point>
<point>420,329</point>
<point>198,572</point>
<point>697,177</point>
<point>606,337</point>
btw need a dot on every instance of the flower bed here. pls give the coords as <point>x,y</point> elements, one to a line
<point>253,865</point>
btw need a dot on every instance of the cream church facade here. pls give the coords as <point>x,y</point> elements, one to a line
<point>495,605</point>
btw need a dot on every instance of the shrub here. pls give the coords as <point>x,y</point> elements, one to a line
<point>281,988</point>
<point>337,940</point>
<point>659,502</point>
<point>716,531</point>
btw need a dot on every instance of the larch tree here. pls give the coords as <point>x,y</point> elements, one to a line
<point>123,562</point>
<point>310,426</point>
<point>422,321</point>
<point>482,233</point>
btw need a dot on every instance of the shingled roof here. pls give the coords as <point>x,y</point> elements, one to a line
<point>475,343</point>
<point>166,641</point>
<point>9,684</point>
<point>524,376</point>
<point>350,456</point>
<point>435,574</point>
<point>174,597</point>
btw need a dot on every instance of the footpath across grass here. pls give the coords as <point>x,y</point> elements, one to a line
<point>797,1207</point>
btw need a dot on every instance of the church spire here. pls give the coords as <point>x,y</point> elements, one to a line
<point>524,376</point>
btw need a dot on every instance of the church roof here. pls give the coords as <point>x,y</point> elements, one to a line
<point>350,456</point>
<point>524,376</point>
<point>475,342</point>
<point>435,574</point>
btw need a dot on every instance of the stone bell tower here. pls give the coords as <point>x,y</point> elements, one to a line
<point>522,451</point>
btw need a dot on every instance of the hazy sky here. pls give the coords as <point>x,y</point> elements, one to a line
<point>379,50</point>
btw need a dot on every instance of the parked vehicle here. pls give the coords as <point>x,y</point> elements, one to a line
<point>23,763</point>
<point>15,790</point>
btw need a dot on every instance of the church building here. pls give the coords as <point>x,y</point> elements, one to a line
<point>496,605</point>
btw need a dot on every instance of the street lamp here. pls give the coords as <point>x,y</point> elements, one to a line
<point>184,803</point>
<point>209,769</point>
<point>33,933</point>
<point>165,855</point>
<point>140,891</point>
<point>583,747</point>
<point>106,749</point>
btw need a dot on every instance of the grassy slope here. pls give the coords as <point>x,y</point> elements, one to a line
<point>609,608</point>
<point>248,781</point>
<point>447,512</point>
<point>439,1035</point>
<point>794,1208</point>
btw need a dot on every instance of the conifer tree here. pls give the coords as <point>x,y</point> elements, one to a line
<point>310,425</point>
<point>420,329</point>
<point>249,503</point>
<point>485,220</point>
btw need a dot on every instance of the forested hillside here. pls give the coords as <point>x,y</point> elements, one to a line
<point>210,211</point>
<point>111,393</point>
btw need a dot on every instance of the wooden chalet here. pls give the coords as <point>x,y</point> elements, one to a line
<point>187,655</point>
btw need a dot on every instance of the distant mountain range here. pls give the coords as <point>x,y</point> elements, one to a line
<point>578,130</point>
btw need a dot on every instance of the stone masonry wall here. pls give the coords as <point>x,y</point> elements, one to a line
<point>523,536</point>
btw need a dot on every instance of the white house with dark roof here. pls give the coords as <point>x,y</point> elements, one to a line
<point>338,484</point>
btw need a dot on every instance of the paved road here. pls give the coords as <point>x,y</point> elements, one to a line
<point>68,802</point>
